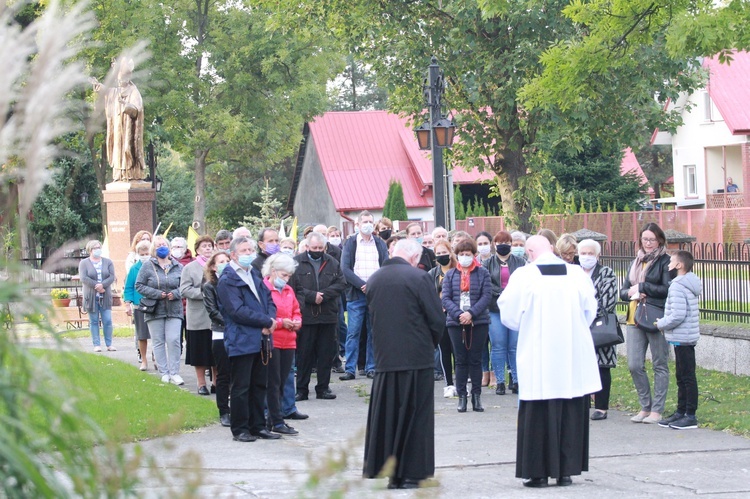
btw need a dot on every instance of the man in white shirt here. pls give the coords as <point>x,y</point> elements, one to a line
<point>551,304</point>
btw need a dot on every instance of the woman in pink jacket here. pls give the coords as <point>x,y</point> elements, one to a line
<point>277,269</point>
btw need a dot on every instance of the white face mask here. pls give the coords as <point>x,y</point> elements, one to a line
<point>465,260</point>
<point>367,228</point>
<point>287,251</point>
<point>484,250</point>
<point>588,262</point>
<point>178,253</point>
<point>144,258</point>
<point>335,241</point>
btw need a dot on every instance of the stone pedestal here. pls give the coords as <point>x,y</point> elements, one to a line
<point>129,209</point>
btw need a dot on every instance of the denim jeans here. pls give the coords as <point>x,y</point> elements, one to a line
<point>637,343</point>
<point>486,356</point>
<point>358,314</point>
<point>288,403</point>
<point>504,342</point>
<point>106,318</point>
<point>165,335</point>
<point>341,332</point>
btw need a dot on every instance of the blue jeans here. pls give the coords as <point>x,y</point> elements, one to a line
<point>106,318</point>
<point>486,356</point>
<point>358,313</point>
<point>504,342</point>
<point>288,405</point>
<point>341,332</point>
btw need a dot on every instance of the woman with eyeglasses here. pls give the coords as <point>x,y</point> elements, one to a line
<point>648,279</point>
<point>97,275</point>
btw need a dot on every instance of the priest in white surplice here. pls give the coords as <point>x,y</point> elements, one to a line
<point>551,304</point>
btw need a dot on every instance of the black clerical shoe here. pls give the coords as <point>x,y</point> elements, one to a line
<point>267,435</point>
<point>225,420</point>
<point>564,481</point>
<point>245,437</point>
<point>598,415</point>
<point>296,415</point>
<point>347,377</point>
<point>284,429</point>
<point>409,483</point>
<point>326,395</point>
<point>300,396</point>
<point>535,482</point>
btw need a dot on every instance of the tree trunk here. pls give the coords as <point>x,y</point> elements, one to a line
<point>199,208</point>
<point>510,166</point>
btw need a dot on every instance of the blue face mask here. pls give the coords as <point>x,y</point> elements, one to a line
<point>279,283</point>
<point>518,251</point>
<point>220,268</point>
<point>420,239</point>
<point>97,253</point>
<point>246,260</point>
<point>162,252</point>
<point>272,248</point>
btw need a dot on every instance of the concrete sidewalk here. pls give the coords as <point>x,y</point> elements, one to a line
<point>475,453</point>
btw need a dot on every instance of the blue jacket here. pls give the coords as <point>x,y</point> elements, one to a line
<point>130,294</point>
<point>681,314</point>
<point>480,295</point>
<point>348,255</point>
<point>244,315</point>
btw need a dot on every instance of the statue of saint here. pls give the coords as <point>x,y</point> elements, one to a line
<point>124,112</point>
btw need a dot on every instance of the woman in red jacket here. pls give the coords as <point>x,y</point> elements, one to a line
<point>277,269</point>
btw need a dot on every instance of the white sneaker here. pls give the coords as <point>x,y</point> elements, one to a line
<point>449,391</point>
<point>177,380</point>
<point>111,349</point>
<point>165,378</point>
<point>97,349</point>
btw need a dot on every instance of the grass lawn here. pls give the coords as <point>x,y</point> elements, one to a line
<point>723,401</point>
<point>128,404</point>
<point>117,332</point>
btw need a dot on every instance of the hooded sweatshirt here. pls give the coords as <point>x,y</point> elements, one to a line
<point>680,321</point>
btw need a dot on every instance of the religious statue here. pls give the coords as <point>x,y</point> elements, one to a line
<point>124,112</point>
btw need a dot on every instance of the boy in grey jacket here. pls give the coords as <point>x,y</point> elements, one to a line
<point>680,327</point>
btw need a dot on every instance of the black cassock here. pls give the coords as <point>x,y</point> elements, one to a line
<point>407,322</point>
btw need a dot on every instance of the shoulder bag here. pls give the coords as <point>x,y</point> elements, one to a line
<point>148,305</point>
<point>646,316</point>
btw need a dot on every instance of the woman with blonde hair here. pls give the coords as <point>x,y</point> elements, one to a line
<point>141,235</point>
<point>567,248</point>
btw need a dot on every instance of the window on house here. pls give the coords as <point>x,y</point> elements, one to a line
<point>691,182</point>
<point>707,107</point>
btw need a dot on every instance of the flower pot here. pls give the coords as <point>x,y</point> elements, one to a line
<point>61,302</point>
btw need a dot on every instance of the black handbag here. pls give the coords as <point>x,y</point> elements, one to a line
<point>148,305</point>
<point>606,331</point>
<point>646,316</point>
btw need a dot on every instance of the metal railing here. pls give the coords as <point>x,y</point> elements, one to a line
<point>48,274</point>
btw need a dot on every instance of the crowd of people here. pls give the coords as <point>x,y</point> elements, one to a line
<point>261,315</point>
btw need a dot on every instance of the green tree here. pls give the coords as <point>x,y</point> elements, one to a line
<point>356,89</point>
<point>458,203</point>
<point>395,202</point>
<point>174,204</point>
<point>269,214</point>
<point>656,163</point>
<point>389,199</point>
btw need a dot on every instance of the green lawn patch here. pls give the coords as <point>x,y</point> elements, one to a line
<point>126,403</point>
<point>723,401</point>
<point>117,332</point>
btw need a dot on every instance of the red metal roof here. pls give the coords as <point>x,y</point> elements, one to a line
<point>729,88</point>
<point>361,152</point>
<point>630,164</point>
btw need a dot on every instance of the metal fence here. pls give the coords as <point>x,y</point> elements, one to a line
<point>51,273</point>
<point>724,270</point>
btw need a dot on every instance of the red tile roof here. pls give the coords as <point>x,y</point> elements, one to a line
<point>361,152</point>
<point>630,164</point>
<point>729,88</point>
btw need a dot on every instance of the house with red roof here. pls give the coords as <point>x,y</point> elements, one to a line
<point>347,160</point>
<point>712,146</point>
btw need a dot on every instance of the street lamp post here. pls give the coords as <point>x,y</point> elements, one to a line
<point>435,135</point>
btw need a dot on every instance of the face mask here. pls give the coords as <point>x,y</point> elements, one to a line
<point>144,258</point>
<point>385,233</point>
<point>335,241</point>
<point>443,259</point>
<point>245,260</point>
<point>178,253</point>
<point>220,268</point>
<point>97,253</point>
<point>279,283</point>
<point>420,239</point>
<point>518,251</point>
<point>227,251</point>
<point>465,260</point>
<point>162,252</point>
<point>366,228</point>
<point>287,251</point>
<point>484,250</point>
<point>588,262</point>
<point>315,255</point>
<point>503,249</point>
<point>673,273</point>
<point>272,248</point>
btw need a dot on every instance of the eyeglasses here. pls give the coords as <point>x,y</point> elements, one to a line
<point>648,240</point>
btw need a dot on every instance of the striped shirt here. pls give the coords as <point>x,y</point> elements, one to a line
<point>366,259</point>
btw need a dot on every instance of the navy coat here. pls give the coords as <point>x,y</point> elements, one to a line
<point>480,292</point>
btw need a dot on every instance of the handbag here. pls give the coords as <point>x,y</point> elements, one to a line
<point>646,316</point>
<point>148,305</point>
<point>606,331</point>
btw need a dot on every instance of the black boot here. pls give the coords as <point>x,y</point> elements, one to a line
<point>462,403</point>
<point>476,402</point>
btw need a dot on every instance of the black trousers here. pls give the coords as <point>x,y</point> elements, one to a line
<point>601,401</point>
<point>468,343</point>
<point>446,357</point>
<point>316,344</point>
<point>222,376</point>
<point>248,391</point>
<point>687,384</point>
<point>278,370</point>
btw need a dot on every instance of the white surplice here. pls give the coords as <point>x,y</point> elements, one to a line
<point>555,357</point>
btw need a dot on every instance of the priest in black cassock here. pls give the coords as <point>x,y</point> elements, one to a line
<point>407,322</point>
<point>551,304</point>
